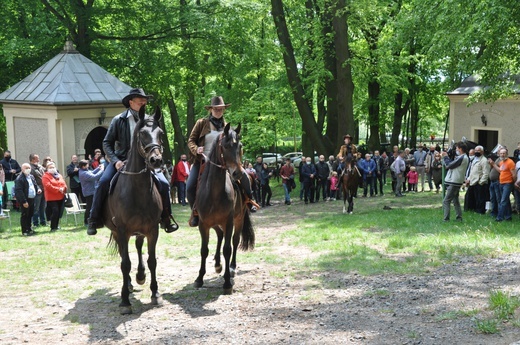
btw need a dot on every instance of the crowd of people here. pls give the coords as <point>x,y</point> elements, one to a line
<point>40,190</point>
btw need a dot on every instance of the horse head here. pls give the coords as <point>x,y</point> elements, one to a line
<point>147,136</point>
<point>231,150</point>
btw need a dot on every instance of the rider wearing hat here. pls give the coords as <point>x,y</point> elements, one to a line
<point>117,144</point>
<point>349,150</point>
<point>200,143</point>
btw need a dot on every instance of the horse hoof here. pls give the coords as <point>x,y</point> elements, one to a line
<point>157,299</point>
<point>198,284</point>
<point>218,269</point>
<point>140,281</point>
<point>125,310</point>
<point>228,291</point>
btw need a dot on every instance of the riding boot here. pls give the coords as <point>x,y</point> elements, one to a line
<point>194,218</point>
<point>95,222</point>
<point>167,222</point>
<point>245,187</point>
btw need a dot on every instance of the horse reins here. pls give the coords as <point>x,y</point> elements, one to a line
<point>142,150</point>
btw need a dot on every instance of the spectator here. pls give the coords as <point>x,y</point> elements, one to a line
<point>89,180</point>
<point>516,153</point>
<point>454,180</point>
<point>398,169</point>
<point>73,174</point>
<point>413,178</point>
<point>308,174</point>
<point>517,188</point>
<point>45,161</point>
<point>39,201</point>
<point>494,186</point>
<point>26,190</point>
<point>367,167</point>
<point>385,166</point>
<point>334,185</point>
<point>409,160</point>
<point>182,171</point>
<point>322,178</point>
<point>287,175</point>
<point>477,183</point>
<point>94,162</point>
<point>378,178</point>
<point>54,189</point>
<point>265,175</point>
<point>11,170</point>
<point>506,179</point>
<point>300,169</point>
<point>428,164</point>
<point>258,169</point>
<point>436,168</point>
<point>420,159</point>
<point>391,159</point>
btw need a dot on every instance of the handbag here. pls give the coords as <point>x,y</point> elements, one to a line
<point>68,201</point>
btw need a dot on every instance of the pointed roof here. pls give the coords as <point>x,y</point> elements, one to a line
<point>69,78</point>
<point>472,84</point>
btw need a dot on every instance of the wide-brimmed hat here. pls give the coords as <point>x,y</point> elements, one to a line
<point>134,93</point>
<point>217,101</point>
<point>347,136</point>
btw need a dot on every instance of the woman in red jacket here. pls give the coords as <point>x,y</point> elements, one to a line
<point>54,187</point>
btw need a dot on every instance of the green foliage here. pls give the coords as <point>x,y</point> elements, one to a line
<point>503,304</point>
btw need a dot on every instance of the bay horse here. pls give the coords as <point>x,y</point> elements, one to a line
<point>350,177</point>
<point>134,205</point>
<point>221,206</point>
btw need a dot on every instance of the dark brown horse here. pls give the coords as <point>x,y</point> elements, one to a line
<point>134,205</point>
<point>220,205</point>
<point>349,178</point>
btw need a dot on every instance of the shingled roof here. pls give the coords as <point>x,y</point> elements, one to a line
<point>69,78</point>
<point>471,84</point>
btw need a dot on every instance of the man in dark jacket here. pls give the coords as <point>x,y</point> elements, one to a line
<point>116,145</point>
<point>308,174</point>
<point>26,189</point>
<point>11,170</point>
<point>73,174</point>
<point>322,178</point>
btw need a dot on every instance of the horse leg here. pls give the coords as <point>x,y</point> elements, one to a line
<point>125,307</point>
<point>228,286</point>
<point>141,274</point>
<point>239,224</point>
<point>204,235</point>
<point>220,236</point>
<point>350,202</point>
<point>345,194</point>
<point>152,265</point>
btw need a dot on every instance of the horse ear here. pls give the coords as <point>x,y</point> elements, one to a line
<point>158,114</point>
<point>142,112</point>
<point>226,129</point>
<point>237,130</point>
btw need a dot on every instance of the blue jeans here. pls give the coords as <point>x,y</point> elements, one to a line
<point>504,207</point>
<point>495,195</point>
<point>286,190</point>
<point>39,210</point>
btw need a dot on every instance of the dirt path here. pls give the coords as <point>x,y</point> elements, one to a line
<point>273,304</point>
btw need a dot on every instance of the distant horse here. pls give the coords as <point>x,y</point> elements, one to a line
<point>221,206</point>
<point>134,206</point>
<point>350,177</point>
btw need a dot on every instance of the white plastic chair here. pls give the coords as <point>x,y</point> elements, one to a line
<point>7,215</point>
<point>76,208</point>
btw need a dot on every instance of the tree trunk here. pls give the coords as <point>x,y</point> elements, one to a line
<point>331,86</point>
<point>179,140</point>
<point>344,74</point>
<point>373,114</point>
<point>304,108</point>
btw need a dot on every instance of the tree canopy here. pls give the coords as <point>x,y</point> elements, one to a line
<point>299,74</point>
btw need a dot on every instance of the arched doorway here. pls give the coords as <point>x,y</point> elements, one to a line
<point>94,141</point>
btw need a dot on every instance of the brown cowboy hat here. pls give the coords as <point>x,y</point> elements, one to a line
<point>217,101</point>
<point>134,93</point>
<point>347,136</point>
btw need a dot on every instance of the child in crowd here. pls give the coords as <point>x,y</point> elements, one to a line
<point>333,185</point>
<point>413,178</point>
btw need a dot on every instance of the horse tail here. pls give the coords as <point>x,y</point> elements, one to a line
<point>113,245</point>
<point>248,233</point>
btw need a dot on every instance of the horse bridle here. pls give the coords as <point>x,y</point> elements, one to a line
<point>222,164</point>
<point>144,152</point>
